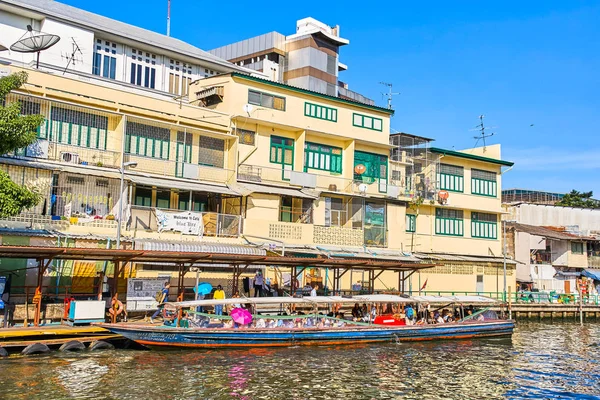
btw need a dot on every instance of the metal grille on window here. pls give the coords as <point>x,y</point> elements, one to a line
<point>479,174</point>
<point>484,217</point>
<point>71,126</point>
<point>451,169</point>
<point>211,152</point>
<point>147,140</point>
<point>246,136</point>
<point>448,213</point>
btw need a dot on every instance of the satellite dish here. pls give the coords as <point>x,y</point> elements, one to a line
<point>360,169</point>
<point>248,108</point>
<point>362,188</point>
<point>34,42</point>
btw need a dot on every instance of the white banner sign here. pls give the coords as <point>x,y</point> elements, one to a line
<point>188,223</point>
<point>68,209</point>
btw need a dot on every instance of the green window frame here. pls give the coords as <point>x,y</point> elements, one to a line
<point>282,153</point>
<point>449,222</point>
<point>484,183</point>
<point>147,140</point>
<point>411,223</point>
<point>266,100</point>
<point>320,112</point>
<point>451,178</point>
<point>376,169</point>
<point>484,225</point>
<point>163,198</point>
<point>367,122</point>
<point>577,247</point>
<point>143,197</point>
<point>322,157</point>
<point>78,128</point>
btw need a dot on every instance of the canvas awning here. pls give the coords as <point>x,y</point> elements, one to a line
<point>172,183</point>
<point>248,188</point>
<point>195,247</point>
<point>591,273</point>
<point>568,274</point>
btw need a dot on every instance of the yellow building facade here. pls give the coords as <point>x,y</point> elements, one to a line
<point>264,166</point>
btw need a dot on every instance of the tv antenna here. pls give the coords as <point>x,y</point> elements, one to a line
<point>483,132</point>
<point>34,42</point>
<point>72,58</point>
<point>389,94</point>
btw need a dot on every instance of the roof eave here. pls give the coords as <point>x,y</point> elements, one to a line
<point>454,153</point>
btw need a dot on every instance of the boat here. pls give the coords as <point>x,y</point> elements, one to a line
<point>338,332</point>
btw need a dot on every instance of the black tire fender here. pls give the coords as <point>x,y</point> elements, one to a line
<point>35,348</point>
<point>72,345</point>
<point>3,352</point>
<point>101,345</point>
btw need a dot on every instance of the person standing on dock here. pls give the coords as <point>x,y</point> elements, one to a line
<point>259,281</point>
<point>164,297</point>
<point>219,294</point>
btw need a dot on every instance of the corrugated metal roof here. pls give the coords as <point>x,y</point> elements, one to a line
<point>47,233</point>
<point>199,247</point>
<point>541,231</point>
<point>173,183</point>
<point>73,15</point>
<point>461,257</point>
<point>248,188</point>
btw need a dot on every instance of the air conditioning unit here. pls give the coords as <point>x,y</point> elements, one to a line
<point>68,157</point>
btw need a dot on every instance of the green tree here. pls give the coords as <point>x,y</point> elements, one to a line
<point>579,199</point>
<point>16,131</point>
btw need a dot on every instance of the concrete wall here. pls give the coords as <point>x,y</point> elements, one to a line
<point>583,219</point>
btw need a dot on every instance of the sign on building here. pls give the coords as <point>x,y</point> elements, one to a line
<point>142,293</point>
<point>188,223</point>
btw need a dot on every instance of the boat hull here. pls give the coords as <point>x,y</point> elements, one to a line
<point>203,337</point>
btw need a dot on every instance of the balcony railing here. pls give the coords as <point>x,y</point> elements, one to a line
<point>176,169</point>
<point>45,150</point>
<point>330,183</point>
<point>215,224</point>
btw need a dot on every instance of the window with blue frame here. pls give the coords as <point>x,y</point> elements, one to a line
<point>143,69</point>
<point>105,59</point>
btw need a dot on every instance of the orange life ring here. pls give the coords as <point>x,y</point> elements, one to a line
<point>116,307</point>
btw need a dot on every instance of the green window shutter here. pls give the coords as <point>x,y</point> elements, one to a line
<point>449,222</point>
<point>484,225</point>
<point>320,112</point>
<point>411,223</point>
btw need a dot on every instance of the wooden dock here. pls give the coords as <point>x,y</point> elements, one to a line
<point>552,311</point>
<point>54,335</point>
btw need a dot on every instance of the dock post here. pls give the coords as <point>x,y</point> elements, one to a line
<point>509,303</point>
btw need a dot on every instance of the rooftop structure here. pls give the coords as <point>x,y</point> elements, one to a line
<point>530,196</point>
<point>107,51</point>
<point>307,59</point>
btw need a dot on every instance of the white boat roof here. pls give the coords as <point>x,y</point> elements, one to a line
<point>372,298</point>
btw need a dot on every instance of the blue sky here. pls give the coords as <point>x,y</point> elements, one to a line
<point>519,63</point>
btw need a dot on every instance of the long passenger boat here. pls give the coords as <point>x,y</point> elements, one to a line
<point>336,332</point>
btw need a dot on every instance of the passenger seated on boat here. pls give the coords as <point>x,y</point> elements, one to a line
<point>421,321</point>
<point>388,309</point>
<point>480,317</point>
<point>260,323</point>
<point>356,312</point>
<point>438,318</point>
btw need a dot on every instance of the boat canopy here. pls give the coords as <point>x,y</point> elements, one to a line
<point>314,300</point>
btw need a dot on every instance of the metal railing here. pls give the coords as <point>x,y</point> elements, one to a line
<point>523,296</point>
<point>215,224</point>
<point>177,169</point>
<point>330,183</point>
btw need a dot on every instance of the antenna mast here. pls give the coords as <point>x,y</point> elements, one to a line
<point>482,133</point>
<point>389,94</point>
<point>168,17</point>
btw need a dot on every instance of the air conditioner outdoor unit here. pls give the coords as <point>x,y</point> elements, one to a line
<point>69,157</point>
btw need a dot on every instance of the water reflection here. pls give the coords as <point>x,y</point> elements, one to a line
<point>542,361</point>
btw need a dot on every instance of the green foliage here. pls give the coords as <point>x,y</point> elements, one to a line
<point>16,131</point>
<point>15,198</point>
<point>579,199</point>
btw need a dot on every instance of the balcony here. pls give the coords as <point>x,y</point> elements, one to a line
<point>69,154</point>
<point>322,182</point>
<point>170,168</point>
<point>594,259</point>
<point>215,224</point>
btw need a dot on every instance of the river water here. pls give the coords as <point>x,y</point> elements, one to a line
<point>543,361</point>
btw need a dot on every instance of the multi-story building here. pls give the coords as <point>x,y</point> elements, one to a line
<point>307,59</point>
<point>233,162</point>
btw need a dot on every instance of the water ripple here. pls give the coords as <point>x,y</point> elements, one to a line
<point>551,361</point>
